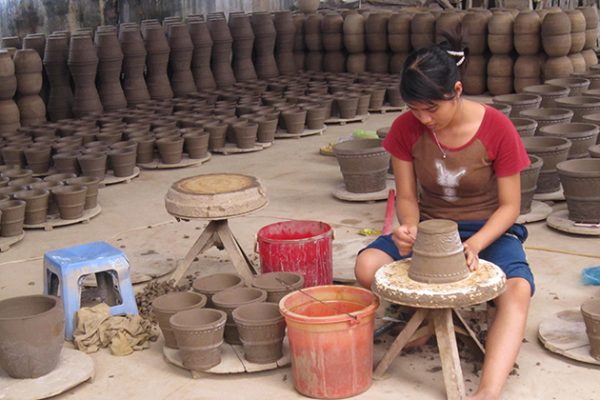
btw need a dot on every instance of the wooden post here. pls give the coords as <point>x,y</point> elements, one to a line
<point>446,340</point>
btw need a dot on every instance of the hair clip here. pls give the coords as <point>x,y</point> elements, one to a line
<point>456,53</point>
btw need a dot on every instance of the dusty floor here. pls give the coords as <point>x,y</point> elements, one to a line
<point>299,182</point>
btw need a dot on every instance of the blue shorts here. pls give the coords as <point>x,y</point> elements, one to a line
<point>506,252</point>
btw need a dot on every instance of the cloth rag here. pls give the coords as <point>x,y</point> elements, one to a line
<point>97,328</point>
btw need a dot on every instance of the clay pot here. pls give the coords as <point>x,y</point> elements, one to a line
<point>267,127</point>
<point>525,126</point>
<point>278,284</point>
<point>422,30</point>
<point>438,244</point>
<point>230,299</point>
<point>579,179</point>
<point>551,150</point>
<point>93,164</point>
<point>261,329</point>
<point>529,178</point>
<point>548,116</point>
<point>66,162</point>
<point>36,205</point>
<point>580,105</point>
<point>519,102</point>
<point>24,181</point>
<point>590,310</point>
<point>70,200</point>
<point>199,336</point>
<point>195,143</point>
<point>363,164</point>
<point>52,207</point>
<point>594,151</point>
<point>38,158</point>
<point>122,161</point>
<point>145,148</point>
<point>475,75</point>
<point>245,134</point>
<point>503,108</point>
<point>170,149</point>
<point>576,85</point>
<point>217,132</point>
<point>582,136</point>
<point>212,284</point>
<point>527,33</point>
<point>8,80</point>
<point>590,58</point>
<point>12,214</point>
<point>556,34</point>
<point>32,330</point>
<point>167,305</point>
<point>500,75</point>
<point>548,93</point>
<point>308,6</point>
<point>17,173</point>
<point>294,120</point>
<point>92,184</point>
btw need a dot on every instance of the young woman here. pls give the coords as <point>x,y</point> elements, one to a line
<point>457,159</point>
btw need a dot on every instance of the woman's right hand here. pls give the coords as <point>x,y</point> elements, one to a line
<point>404,237</point>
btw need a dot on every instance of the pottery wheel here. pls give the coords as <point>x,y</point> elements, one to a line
<point>215,196</point>
<point>393,284</point>
<point>564,334</point>
<point>74,367</point>
<point>539,212</point>
<point>560,221</point>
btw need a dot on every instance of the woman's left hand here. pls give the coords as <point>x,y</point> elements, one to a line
<point>472,256</point>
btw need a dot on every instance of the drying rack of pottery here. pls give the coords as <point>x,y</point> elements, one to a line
<point>223,326</point>
<point>435,282</point>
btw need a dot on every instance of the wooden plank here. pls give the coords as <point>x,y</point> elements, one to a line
<point>446,340</point>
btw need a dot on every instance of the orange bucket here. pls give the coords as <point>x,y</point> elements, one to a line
<point>330,332</point>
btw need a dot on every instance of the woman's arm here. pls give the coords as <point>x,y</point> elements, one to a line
<point>407,207</point>
<point>509,199</point>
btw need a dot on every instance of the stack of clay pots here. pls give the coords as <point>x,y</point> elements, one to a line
<point>364,164</point>
<point>157,60</point>
<point>60,97</point>
<point>110,61</point>
<point>590,14</point>
<point>376,31</point>
<point>332,36</point>
<point>37,42</point>
<point>474,76</point>
<point>354,43</point>
<point>500,42</point>
<point>578,28</point>
<point>264,45</point>
<point>134,61</point>
<point>422,30</point>
<point>201,58</point>
<point>221,52</point>
<point>9,112</point>
<point>399,40</point>
<point>180,59</point>
<point>581,135</point>
<point>28,70</point>
<point>299,47</point>
<point>83,64</point>
<point>284,45</point>
<point>243,43</point>
<point>556,41</point>
<point>528,66</point>
<point>314,43</point>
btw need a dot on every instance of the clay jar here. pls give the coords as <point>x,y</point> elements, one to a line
<point>36,205</point>
<point>552,150</point>
<point>32,332</point>
<point>581,183</point>
<point>581,135</point>
<point>529,178</point>
<point>590,311</point>
<point>212,284</point>
<point>230,299</point>
<point>261,328</point>
<point>278,284</point>
<point>167,305</point>
<point>438,254</point>
<point>363,164</point>
<point>92,184</point>
<point>13,216</point>
<point>70,200</point>
<point>199,336</point>
<point>170,149</point>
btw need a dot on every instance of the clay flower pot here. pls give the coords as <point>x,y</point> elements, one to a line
<point>502,107</point>
<point>199,336</point>
<point>438,254</point>
<point>36,205</point>
<point>261,328</point>
<point>38,158</point>
<point>170,149</point>
<point>552,150</point>
<point>195,143</point>
<point>308,6</point>
<point>66,162</point>
<point>278,284</point>
<point>230,299</point>
<point>525,126</point>
<point>91,183</point>
<point>167,305</point>
<point>13,216</point>
<point>70,200</point>
<point>122,161</point>
<point>212,284</point>
<point>529,178</point>
<point>217,132</point>
<point>145,148</point>
<point>576,85</point>
<point>581,135</point>
<point>581,183</point>
<point>52,207</point>
<point>267,127</point>
<point>364,164</point>
<point>32,330</point>
<point>17,173</point>
<point>24,182</point>
<point>60,178</point>
<point>548,116</point>
<point>93,164</point>
<point>518,102</point>
<point>580,105</point>
<point>591,317</point>
<point>245,134</point>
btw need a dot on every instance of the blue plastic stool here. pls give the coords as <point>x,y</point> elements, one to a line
<point>68,268</point>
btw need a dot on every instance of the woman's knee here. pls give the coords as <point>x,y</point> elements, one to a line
<point>367,264</point>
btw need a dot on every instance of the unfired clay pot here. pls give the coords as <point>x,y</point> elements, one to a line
<point>525,126</point>
<point>364,164</point>
<point>438,254</point>
<point>92,184</point>
<point>518,102</point>
<point>36,205</point>
<point>261,328</point>
<point>548,116</point>
<point>591,316</point>
<point>212,284</point>
<point>230,299</point>
<point>169,304</point>
<point>548,93</point>
<point>199,336</point>
<point>582,136</point>
<point>580,179</point>
<point>552,150</point>
<point>13,216</point>
<point>529,178</point>
<point>70,200</point>
<point>580,105</point>
<point>32,330</point>
<point>278,284</point>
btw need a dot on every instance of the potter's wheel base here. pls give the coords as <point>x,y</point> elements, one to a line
<point>54,221</point>
<point>111,179</point>
<point>341,193</point>
<point>560,221</point>
<point>539,212</point>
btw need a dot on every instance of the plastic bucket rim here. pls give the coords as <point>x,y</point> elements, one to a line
<point>328,232</point>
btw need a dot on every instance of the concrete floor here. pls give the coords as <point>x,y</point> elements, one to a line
<point>299,182</point>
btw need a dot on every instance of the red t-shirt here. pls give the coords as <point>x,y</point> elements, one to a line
<point>463,185</point>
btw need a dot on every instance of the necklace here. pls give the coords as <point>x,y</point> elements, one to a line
<point>444,155</point>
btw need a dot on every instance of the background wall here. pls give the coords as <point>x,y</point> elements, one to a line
<point>19,17</point>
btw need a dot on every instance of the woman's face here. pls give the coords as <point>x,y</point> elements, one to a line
<point>438,114</point>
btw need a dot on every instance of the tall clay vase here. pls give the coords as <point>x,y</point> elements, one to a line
<point>134,60</point>
<point>229,300</point>
<point>278,284</point>
<point>70,200</point>
<point>261,328</point>
<point>13,217</point>
<point>552,150</point>
<point>221,52</point>
<point>170,149</point>
<point>180,59</point>
<point>83,64</point>
<point>201,59</point>
<point>167,305</point>
<point>590,311</point>
<point>438,254</point>
<point>364,164</point>
<point>92,184</point>
<point>110,61</point>
<point>32,330</point>
<point>580,179</point>
<point>28,70</point>
<point>529,178</point>
<point>36,205</point>
<point>199,336</point>
<point>157,61</point>
<point>212,284</point>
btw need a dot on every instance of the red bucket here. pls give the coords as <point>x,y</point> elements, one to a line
<point>298,246</point>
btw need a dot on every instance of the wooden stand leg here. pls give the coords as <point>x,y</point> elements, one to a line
<point>238,258</point>
<point>403,338</point>
<point>204,241</point>
<point>470,332</point>
<point>446,339</point>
